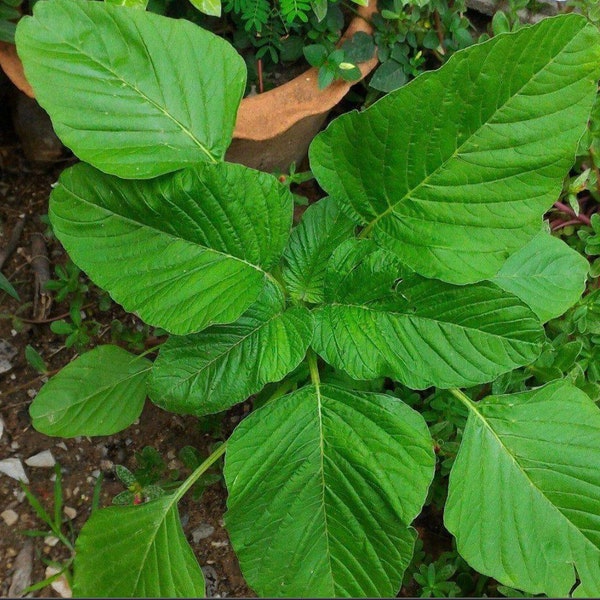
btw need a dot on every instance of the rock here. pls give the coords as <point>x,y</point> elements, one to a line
<point>61,585</point>
<point>62,446</point>
<point>7,352</point>
<point>212,580</point>
<point>51,540</point>
<point>22,571</point>
<point>201,532</point>
<point>10,517</point>
<point>1,427</point>
<point>13,467</point>
<point>42,459</point>
<point>70,512</point>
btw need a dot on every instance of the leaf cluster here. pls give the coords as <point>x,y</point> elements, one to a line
<point>428,264</point>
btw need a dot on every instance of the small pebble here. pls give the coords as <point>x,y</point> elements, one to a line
<point>222,544</point>
<point>1,427</point>
<point>95,473</point>
<point>32,393</point>
<point>201,532</point>
<point>14,445</point>
<point>70,512</point>
<point>51,540</point>
<point>10,517</point>
<point>22,574</point>
<point>107,465</point>
<point>13,467</point>
<point>43,460</point>
<point>62,445</point>
<point>60,585</point>
<point>212,580</point>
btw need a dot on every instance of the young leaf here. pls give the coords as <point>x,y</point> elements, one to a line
<point>524,495</point>
<point>453,171</point>
<point>208,7</point>
<point>7,287</point>
<point>120,85</point>
<point>322,229</point>
<point>136,552</point>
<point>323,485</point>
<point>421,332</point>
<point>546,274</point>
<point>210,371</point>
<point>99,393</point>
<point>183,251</point>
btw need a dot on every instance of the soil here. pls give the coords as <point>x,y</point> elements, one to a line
<point>25,186</point>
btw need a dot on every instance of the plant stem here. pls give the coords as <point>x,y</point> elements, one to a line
<point>209,462</point>
<point>314,367</point>
<point>569,211</point>
<point>462,397</point>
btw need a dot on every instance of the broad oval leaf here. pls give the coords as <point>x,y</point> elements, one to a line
<point>420,332</point>
<point>208,7</point>
<point>133,93</point>
<point>99,393</point>
<point>210,371</point>
<point>322,229</point>
<point>136,552</point>
<point>184,250</point>
<point>524,495</point>
<point>453,171</point>
<point>546,274</point>
<point>323,485</point>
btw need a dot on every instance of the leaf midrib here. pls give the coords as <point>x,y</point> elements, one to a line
<point>139,224</point>
<point>392,205</point>
<point>438,322</point>
<point>472,406</point>
<point>141,94</point>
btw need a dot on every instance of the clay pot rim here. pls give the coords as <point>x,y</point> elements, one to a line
<point>263,116</point>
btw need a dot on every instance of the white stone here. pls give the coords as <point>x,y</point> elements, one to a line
<point>62,445</point>
<point>1,427</point>
<point>42,459</point>
<point>13,467</point>
<point>10,517</point>
<point>51,540</point>
<point>70,512</point>
<point>60,585</point>
<point>201,532</point>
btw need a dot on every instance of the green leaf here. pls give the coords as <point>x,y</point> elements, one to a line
<point>136,552</point>
<point>99,393</point>
<point>420,332</point>
<point>7,287</point>
<point>323,485</point>
<point>524,495</point>
<point>322,229</point>
<point>546,274</point>
<point>139,4</point>
<point>453,171</point>
<point>208,7</point>
<point>35,360</point>
<point>183,251</point>
<point>133,93</point>
<point>210,371</point>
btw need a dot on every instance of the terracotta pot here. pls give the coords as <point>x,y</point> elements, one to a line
<point>273,129</point>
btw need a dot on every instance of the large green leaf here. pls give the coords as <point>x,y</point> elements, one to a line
<point>322,229</point>
<point>453,171</point>
<point>323,485</point>
<point>210,371</point>
<point>420,332</point>
<point>524,495</point>
<point>546,274</point>
<point>136,552</point>
<point>184,250</point>
<point>99,393</point>
<point>133,93</point>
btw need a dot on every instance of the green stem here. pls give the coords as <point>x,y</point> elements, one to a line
<point>207,464</point>
<point>148,351</point>
<point>314,367</point>
<point>462,397</point>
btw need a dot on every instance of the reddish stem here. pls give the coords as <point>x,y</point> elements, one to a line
<point>580,218</point>
<point>564,224</point>
<point>261,88</point>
